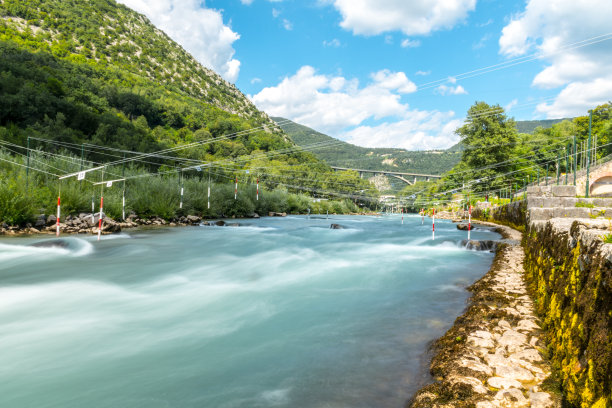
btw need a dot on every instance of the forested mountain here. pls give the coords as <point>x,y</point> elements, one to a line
<point>342,154</point>
<point>76,73</point>
<point>529,126</point>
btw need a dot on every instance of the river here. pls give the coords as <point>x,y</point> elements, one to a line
<point>279,312</point>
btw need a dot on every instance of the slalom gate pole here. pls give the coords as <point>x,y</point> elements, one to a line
<point>182,189</point>
<point>327,216</point>
<point>100,219</point>
<point>92,205</point>
<point>236,189</point>
<point>101,205</point>
<point>469,221</point>
<point>257,195</point>
<point>433,225</point>
<point>402,210</point>
<point>209,188</point>
<point>57,227</point>
<point>422,216</point>
<point>123,202</point>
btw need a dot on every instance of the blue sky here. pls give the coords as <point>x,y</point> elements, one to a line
<point>388,73</point>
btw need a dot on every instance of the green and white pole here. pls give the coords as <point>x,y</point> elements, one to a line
<point>588,162</point>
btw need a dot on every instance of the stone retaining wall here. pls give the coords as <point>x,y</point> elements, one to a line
<point>569,273</point>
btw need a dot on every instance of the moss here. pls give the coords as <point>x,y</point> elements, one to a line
<point>574,303</point>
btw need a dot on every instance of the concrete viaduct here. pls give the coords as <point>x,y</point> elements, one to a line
<point>401,176</point>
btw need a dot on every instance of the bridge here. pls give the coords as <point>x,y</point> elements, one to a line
<point>399,175</point>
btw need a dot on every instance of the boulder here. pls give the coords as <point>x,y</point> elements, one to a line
<point>51,220</point>
<point>336,226</point>
<point>41,221</point>
<point>486,245</point>
<point>193,219</point>
<point>220,223</point>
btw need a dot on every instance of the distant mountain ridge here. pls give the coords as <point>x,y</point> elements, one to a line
<point>343,154</point>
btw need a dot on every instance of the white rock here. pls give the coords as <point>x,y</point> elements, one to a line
<point>511,398</point>
<point>500,382</point>
<point>476,366</point>
<point>485,404</point>
<point>476,384</point>
<point>480,342</point>
<point>514,373</point>
<point>540,400</point>
<point>482,334</point>
<point>513,341</point>
<point>528,354</point>
<point>504,325</point>
<point>527,325</point>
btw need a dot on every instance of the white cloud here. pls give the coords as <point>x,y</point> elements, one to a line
<point>340,106</point>
<point>546,28</point>
<point>415,17</point>
<point>482,42</point>
<point>255,80</point>
<point>450,90</point>
<point>275,13</point>
<point>576,98</point>
<point>247,2</point>
<point>333,43</point>
<point>408,43</point>
<point>394,81</point>
<point>511,105</point>
<point>198,29</point>
<point>422,73</point>
<point>287,25</point>
<point>419,130</point>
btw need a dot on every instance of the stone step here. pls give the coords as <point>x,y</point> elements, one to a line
<point>548,213</point>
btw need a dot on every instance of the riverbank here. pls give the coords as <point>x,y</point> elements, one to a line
<point>86,223</point>
<point>492,357</point>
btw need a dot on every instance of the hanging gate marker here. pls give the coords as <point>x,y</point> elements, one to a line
<point>433,225</point>
<point>257,195</point>
<point>236,189</point>
<point>100,219</point>
<point>108,184</point>
<point>402,215</point>
<point>209,188</point>
<point>57,226</point>
<point>422,216</point>
<point>469,221</point>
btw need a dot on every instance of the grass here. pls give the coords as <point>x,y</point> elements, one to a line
<point>583,204</point>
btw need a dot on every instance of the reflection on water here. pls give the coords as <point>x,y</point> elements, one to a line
<point>275,313</point>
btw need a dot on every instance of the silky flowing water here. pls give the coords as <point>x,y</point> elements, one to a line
<point>279,312</point>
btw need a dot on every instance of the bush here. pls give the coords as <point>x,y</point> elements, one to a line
<point>16,208</point>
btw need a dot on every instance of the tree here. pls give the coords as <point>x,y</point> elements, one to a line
<point>489,138</point>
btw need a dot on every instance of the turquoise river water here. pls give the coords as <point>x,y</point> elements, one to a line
<point>279,312</point>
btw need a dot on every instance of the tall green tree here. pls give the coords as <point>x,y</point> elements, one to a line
<point>489,138</point>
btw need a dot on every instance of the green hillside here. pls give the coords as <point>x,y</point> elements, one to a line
<point>529,126</point>
<point>77,73</point>
<point>342,154</point>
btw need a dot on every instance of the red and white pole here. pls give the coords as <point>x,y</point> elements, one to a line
<point>402,215</point>
<point>236,189</point>
<point>100,219</point>
<point>433,224</point>
<point>422,216</point>
<point>258,189</point>
<point>209,196</point>
<point>469,221</point>
<point>57,227</point>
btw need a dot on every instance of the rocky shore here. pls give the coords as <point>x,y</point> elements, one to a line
<point>492,356</point>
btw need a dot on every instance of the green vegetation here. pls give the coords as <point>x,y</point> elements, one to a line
<point>148,196</point>
<point>113,80</point>
<point>342,154</point>
<point>585,204</point>
<point>574,301</point>
<point>498,161</point>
